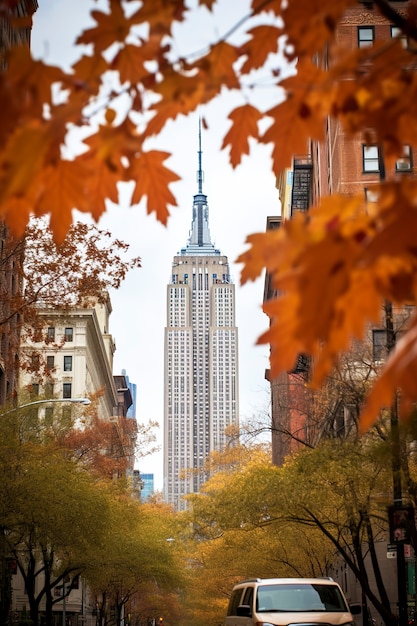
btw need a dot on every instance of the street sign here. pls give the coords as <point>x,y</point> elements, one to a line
<point>391,551</point>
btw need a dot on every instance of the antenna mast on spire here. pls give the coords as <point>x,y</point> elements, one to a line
<point>200,170</point>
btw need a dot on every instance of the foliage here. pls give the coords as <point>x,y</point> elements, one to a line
<point>77,272</point>
<point>142,549</point>
<point>232,539</point>
<point>263,520</point>
<point>354,249</point>
<point>63,521</point>
<point>54,513</point>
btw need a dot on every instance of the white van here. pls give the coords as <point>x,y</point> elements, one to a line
<point>284,601</point>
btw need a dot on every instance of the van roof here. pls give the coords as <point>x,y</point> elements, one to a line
<point>277,581</point>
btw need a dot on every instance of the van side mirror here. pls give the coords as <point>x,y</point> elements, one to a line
<point>244,610</point>
<point>355,609</point>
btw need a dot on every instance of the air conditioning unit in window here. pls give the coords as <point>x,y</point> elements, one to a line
<point>403,165</point>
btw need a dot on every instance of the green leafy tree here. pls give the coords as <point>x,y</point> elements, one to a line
<point>54,512</point>
<point>142,549</point>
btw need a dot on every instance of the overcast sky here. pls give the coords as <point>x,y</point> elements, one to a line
<point>239,202</point>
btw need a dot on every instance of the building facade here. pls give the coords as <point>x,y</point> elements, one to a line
<point>342,164</point>
<point>201,395</point>
<point>11,251</point>
<point>72,357</point>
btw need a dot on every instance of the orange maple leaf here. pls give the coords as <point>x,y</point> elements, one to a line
<point>22,159</point>
<point>263,42</point>
<point>245,124</point>
<point>111,143</point>
<point>160,15</point>
<point>89,71</point>
<point>308,30</point>
<point>180,94</point>
<point>110,27</point>
<point>275,6</point>
<point>130,63</point>
<point>152,179</point>
<point>299,117</point>
<point>218,67</point>
<point>100,184</point>
<point>62,188</point>
<point>31,80</point>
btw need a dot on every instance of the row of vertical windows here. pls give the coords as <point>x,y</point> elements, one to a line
<point>50,363</point>
<point>49,389</point>
<point>68,334</point>
<point>371,158</point>
<point>366,36</point>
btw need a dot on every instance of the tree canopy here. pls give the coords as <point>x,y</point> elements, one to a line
<point>357,250</point>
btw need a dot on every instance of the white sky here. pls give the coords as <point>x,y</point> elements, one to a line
<point>239,202</point>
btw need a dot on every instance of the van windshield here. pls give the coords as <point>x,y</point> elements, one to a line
<point>291,597</point>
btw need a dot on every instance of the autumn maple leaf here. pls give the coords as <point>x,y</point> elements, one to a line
<point>264,41</point>
<point>62,189</point>
<point>152,179</point>
<point>245,125</point>
<point>110,27</point>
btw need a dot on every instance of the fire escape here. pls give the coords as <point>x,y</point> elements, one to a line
<point>301,184</point>
<point>300,202</point>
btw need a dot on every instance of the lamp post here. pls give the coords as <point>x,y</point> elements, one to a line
<point>47,401</point>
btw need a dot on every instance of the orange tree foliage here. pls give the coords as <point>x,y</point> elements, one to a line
<point>356,252</point>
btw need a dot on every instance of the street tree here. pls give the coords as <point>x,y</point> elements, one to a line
<point>231,538</point>
<point>142,549</point>
<point>373,252</point>
<point>55,515</point>
<point>64,519</point>
<point>324,501</point>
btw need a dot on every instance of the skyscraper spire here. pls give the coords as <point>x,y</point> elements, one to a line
<point>200,175</point>
<point>199,241</point>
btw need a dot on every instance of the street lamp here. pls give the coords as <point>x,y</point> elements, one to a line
<point>47,400</point>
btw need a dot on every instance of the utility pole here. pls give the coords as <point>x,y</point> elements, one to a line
<point>396,475</point>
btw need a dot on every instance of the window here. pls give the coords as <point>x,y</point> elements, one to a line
<point>34,389</point>
<point>49,390</point>
<point>66,415</point>
<point>49,415</point>
<point>50,334</point>
<point>67,363</point>
<point>404,163</point>
<point>50,362</point>
<point>366,36</point>
<point>68,334</point>
<point>379,344</point>
<point>397,33</point>
<point>370,158</point>
<point>371,194</point>
<point>66,390</point>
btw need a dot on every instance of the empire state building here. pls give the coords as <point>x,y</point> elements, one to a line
<point>201,396</point>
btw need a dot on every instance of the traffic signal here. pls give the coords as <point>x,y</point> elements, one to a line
<point>161,621</point>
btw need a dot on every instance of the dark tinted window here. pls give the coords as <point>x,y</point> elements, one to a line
<point>234,602</point>
<point>248,597</point>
